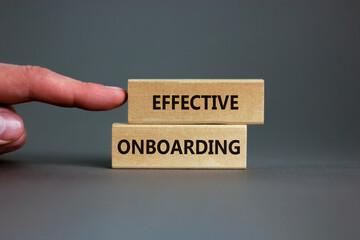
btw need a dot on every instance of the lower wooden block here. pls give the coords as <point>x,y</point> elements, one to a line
<point>179,146</point>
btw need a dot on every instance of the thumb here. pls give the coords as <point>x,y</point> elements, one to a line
<point>12,131</point>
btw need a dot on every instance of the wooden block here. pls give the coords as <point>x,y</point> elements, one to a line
<point>179,146</point>
<point>196,102</point>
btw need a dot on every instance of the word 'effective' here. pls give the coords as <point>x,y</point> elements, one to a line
<point>196,102</point>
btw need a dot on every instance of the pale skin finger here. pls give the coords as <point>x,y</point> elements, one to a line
<point>20,84</point>
<point>12,131</point>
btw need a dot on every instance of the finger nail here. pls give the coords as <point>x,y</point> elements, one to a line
<point>115,88</point>
<point>10,128</point>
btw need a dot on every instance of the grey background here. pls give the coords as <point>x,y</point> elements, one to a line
<point>303,178</point>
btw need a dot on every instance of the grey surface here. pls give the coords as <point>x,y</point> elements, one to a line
<point>303,176</point>
<point>80,197</point>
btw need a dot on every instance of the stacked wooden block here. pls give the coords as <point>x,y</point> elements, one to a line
<point>187,124</point>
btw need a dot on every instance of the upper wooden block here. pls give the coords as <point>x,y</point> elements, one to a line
<point>156,101</point>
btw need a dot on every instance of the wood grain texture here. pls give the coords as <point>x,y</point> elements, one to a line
<point>225,146</point>
<point>248,103</point>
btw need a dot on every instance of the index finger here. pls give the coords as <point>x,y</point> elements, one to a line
<point>20,84</point>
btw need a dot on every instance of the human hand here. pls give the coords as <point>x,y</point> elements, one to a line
<point>19,84</point>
